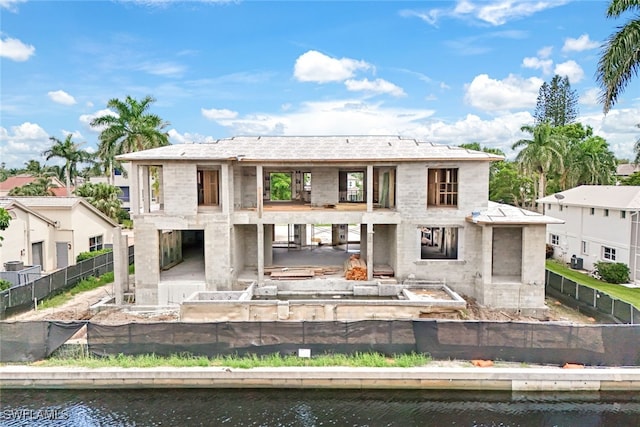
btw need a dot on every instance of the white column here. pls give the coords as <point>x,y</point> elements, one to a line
<point>259,183</point>
<point>369,251</point>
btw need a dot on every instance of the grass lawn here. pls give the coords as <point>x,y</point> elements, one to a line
<point>630,295</point>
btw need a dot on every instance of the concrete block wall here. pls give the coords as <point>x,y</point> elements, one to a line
<point>244,190</point>
<point>147,264</point>
<point>507,251</point>
<point>324,184</point>
<point>217,255</point>
<point>245,242</point>
<point>383,242</point>
<point>180,188</point>
<point>533,257</point>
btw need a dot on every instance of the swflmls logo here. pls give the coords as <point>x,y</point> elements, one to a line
<point>33,414</point>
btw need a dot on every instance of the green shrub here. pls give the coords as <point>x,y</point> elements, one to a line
<point>4,284</point>
<point>613,272</point>
<point>88,255</point>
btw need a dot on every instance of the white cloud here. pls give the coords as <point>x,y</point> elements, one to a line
<point>86,119</point>
<point>618,128</point>
<point>313,66</point>
<point>166,69</point>
<point>538,64</point>
<point>578,45</point>
<point>11,5</point>
<point>15,50</point>
<point>545,52</point>
<point>340,117</point>
<point>216,114</point>
<point>495,12</point>
<point>499,132</point>
<point>590,97</point>
<point>24,142</point>
<point>188,138</point>
<point>514,92</point>
<point>374,86</point>
<point>61,97</point>
<point>570,69</point>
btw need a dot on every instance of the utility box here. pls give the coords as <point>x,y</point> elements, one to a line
<point>577,263</point>
<point>13,266</point>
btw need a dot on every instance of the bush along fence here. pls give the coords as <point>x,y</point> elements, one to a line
<point>23,297</point>
<point>590,301</point>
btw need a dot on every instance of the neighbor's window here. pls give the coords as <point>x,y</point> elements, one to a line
<point>208,187</point>
<point>623,214</point>
<point>438,243</point>
<point>555,239</point>
<point>442,187</point>
<point>593,211</point>
<point>585,247</point>
<point>606,212</point>
<point>95,243</point>
<point>608,253</point>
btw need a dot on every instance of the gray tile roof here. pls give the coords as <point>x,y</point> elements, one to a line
<point>311,149</point>
<point>623,197</point>
<point>501,214</point>
<point>627,169</point>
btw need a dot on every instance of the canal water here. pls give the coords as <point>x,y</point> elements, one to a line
<point>306,408</point>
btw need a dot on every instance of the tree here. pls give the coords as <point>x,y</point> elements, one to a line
<point>620,58</point>
<point>72,155</point>
<point>41,187</point>
<point>510,186</point>
<point>541,155</point>
<point>280,186</point>
<point>132,128</point>
<point>5,219</point>
<point>103,197</point>
<point>633,179</point>
<point>557,103</point>
<point>587,158</point>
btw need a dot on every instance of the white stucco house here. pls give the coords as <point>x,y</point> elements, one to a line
<point>424,214</point>
<point>52,231</point>
<point>601,224</point>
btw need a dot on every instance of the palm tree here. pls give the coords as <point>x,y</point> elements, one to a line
<point>133,128</point>
<point>595,162</point>
<point>72,155</point>
<point>620,58</point>
<point>41,187</point>
<point>540,155</point>
<point>103,197</point>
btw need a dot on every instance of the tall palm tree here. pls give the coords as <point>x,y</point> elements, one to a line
<point>620,58</point>
<point>541,154</point>
<point>132,128</point>
<point>595,163</point>
<point>103,197</point>
<point>72,155</point>
<point>40,187</point>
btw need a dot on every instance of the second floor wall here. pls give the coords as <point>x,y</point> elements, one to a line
<point>413,189</point>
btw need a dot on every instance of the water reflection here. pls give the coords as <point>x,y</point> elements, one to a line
<point>306,408</point>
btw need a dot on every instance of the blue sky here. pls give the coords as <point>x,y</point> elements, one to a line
<point>444,71</point>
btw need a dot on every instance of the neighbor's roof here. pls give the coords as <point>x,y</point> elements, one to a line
<point>623,197</point>
<point>24,179</point>
<point>10,204</point>
<point>627,169</point>
<point>311,149</point>
<point>44,202</point>
<point>501,214</point>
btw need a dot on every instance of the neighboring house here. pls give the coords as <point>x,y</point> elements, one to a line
<point>52,231</point>
<point>601,224</point>
<point>120,179</point>
<point>57,187</point>
<point>424,215</point>
<point>627,169</point>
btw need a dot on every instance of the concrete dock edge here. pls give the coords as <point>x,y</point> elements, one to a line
<point>440,378</point>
